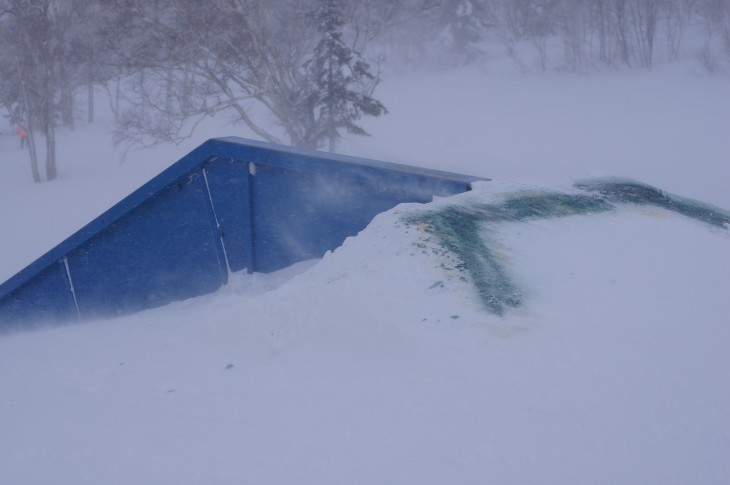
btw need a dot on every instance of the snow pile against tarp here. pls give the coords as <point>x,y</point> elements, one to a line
<point>377,364</point>
<point>460,229</point>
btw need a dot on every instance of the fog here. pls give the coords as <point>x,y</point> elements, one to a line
<point>379,363</point>
<point>302,72</point>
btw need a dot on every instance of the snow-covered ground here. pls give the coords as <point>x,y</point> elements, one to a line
<point>378,364</point>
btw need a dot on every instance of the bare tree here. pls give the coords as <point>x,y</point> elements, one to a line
<point>644,18</point>
<point>677,14</point>
<point>715,54</point>
<point>42,40</point>
<point>32,48</point>
<point>242,57</point>
<point>574,29</point>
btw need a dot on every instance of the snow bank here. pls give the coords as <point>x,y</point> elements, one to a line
<point>378,364</point>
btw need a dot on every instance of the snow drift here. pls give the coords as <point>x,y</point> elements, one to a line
<point>383,366</point>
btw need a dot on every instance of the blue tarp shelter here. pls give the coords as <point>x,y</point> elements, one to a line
<point>229,205</point>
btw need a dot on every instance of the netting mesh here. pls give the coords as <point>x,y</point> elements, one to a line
<point>459,229</point>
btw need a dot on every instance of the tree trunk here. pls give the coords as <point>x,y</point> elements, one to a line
<point>169,86</point>
<point>67,97</point>
<point>90,86</point>
<point>331,128</point>
<point>602,28</point>
<point>90,105</point>
<point>115,96</point>
<point>49,125</point>
<point>33,157</point>
<point>51,173</point>
<point>620,13</point>
<point>31,140</point>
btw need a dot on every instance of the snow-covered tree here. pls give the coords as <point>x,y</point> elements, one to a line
<point>338,84</point>
<point>463,25</point>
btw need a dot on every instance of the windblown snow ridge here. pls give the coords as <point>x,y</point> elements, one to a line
<point>631,192</point>
<point>459,229</point>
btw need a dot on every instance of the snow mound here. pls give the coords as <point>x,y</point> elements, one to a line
<point>380,363</point>
<point>459,228</point>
